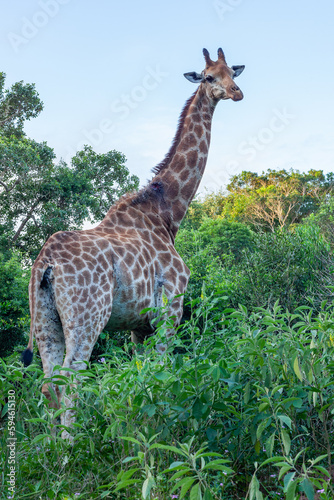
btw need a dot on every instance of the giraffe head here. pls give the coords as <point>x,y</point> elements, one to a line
<point>217,78</point>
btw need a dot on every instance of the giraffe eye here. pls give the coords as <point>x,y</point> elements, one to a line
<point>209,78</point>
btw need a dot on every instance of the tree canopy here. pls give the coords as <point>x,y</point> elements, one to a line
<point>39,196</point>
<point>17,104</point>
<point>273,199</point>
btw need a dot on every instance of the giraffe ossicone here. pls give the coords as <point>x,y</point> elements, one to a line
<point>83,279</point>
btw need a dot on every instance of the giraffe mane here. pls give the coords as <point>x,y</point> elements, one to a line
<point>165,162</point>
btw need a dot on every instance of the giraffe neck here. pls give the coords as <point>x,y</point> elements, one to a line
<point>182,169</point>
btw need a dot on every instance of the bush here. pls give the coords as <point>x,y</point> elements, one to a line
<point>227,237</point>
<point>244,410</point>
<point>294,267</point>
<point>14,304</point>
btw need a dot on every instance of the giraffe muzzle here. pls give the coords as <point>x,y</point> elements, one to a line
<point>236,94</point>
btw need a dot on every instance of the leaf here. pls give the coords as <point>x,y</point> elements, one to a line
<point>211,433</point>
<point>253,488</point>
<point>145,310</point>
<point>195,493</point>
<point>271,460</point>
<point>216,373</point>
<point>197,409</point>
<point>207,495</point>
<point>285,420</point>
<point>257,446</point>
<point>36,420</point>
<point>270,444</point>
<point>318,459</point>
<point>180,473</point>
<point>149,410</point>
<point>167,447</point>
<point>128,459</point>
<point>297,369</point>
<point>263,406</point>
<point>162,375</point>
<point>286,441</point>
<point>5,409</point>
<point>131,439</point>
<point>290,492</point>
<point>283,471</point>
<point>288,479</point>
<point>92,446</point>
<point>262,426</point>
<point>247,393</point>
<point>323,470</point>
<point>147,486</point>
<point>128,474</point>
<point>307,488</point>
<point>175,465</point>
<point>186,485</point>
<point>213,454</point>
<point>217,465</point>
<point>124,484</point>
<point>40,437</point>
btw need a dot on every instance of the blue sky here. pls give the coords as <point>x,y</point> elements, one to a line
<point>110,74</point>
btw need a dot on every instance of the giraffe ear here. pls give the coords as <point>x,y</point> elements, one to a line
<point>193,77</point>
<point>237,70</point>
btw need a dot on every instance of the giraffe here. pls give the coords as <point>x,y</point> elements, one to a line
<point>83,279</point>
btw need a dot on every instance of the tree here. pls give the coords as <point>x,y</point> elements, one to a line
<point>276,198</point>
<point>38,197</point>
<point>17,104</point>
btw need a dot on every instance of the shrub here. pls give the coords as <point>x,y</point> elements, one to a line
<point>244,410</point>
<point>14,304</point>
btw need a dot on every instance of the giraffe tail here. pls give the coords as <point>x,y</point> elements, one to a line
<point>41,281</point>
<point>26,356</point>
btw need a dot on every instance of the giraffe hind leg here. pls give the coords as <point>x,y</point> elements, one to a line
<point>80,340</point>
<point>50,339</point>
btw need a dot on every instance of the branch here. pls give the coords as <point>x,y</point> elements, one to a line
<point>5,186</point>
<point>24,222</point>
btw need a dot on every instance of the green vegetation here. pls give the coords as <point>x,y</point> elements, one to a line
<point>243,410</point>
<point>242,404</point>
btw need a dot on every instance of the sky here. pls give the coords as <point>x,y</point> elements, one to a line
<point>110,75</point>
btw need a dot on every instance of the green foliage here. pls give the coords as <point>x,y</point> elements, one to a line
<point>14,306</point>
<point>202,260</point>
<point>294,267</point>
<point>243,411</point>
<point>226,237</point>
<point>274,199</point>
<point>38,197</point>
<point>17,104</point>
<point>324,219</point>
